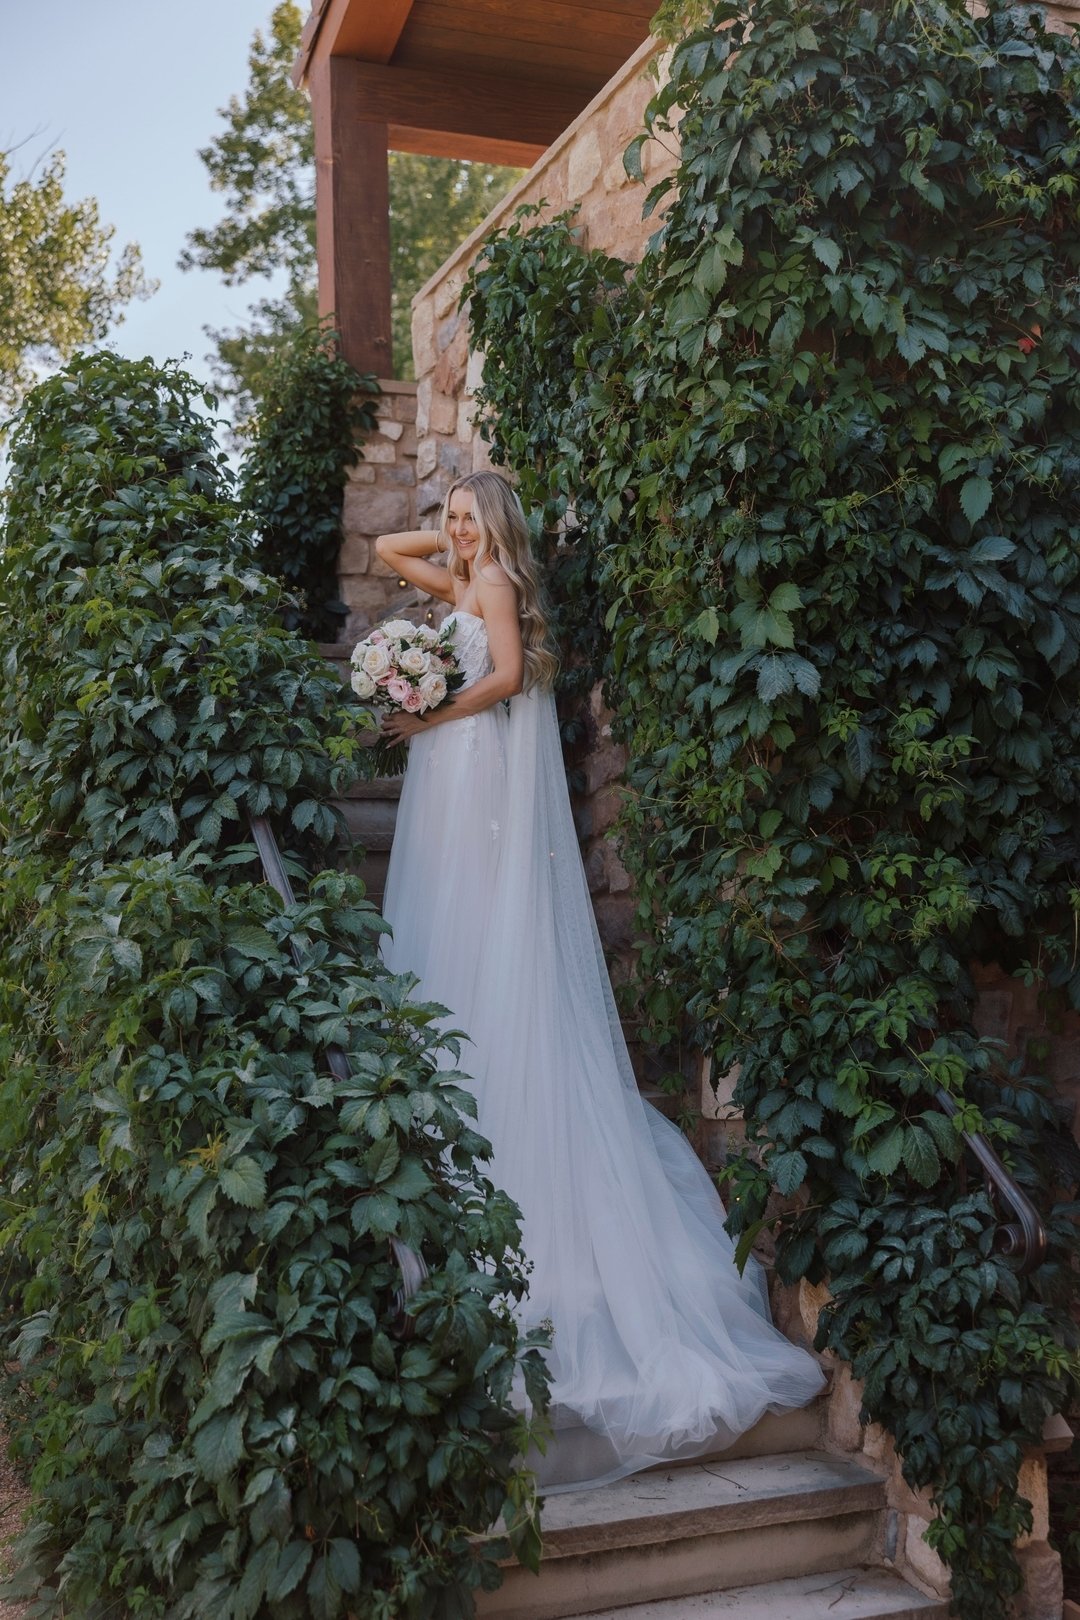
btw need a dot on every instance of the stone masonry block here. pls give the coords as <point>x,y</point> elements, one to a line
<point>362,474</point>
<point>427,456</point>
<point>389,428</point>
<point>474,370</point>
<point>584,163</point>
<point>355,555</point>
<point>429,495</point>
<point>604,807</point>
<point>922,1561</point>
<point>401,477</point>
<point>453,457</point>
<point>406,445</point>
<point>446,331</point>
<point>405,406</point>
<point>1032,1485</point>
<point>615,921</point>
<point>445,296</point>
<point>1042,1596</point>
<point>845,1400</point>
<point>448,374</point>
<point>374,511</point>
<point>379,451</point>
<point>423,336</point>
<point>443,417</point>
<point>423,404</point>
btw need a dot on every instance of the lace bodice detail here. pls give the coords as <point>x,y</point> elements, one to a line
<point>470,645</point>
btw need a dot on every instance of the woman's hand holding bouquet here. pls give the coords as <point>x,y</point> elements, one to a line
<point>403,668</point>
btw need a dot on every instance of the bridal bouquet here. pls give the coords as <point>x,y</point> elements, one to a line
<point>410,667</point>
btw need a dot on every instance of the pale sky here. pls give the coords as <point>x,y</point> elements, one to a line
<point>130,90</point>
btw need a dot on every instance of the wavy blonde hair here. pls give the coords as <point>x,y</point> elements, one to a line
<point>503,536</point>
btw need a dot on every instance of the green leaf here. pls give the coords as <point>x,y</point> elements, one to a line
<point>884,1156</point>
<point>706,625</point>
<point>921,1156</point>
<point>975,497</point>
<point>827,251</point>
<point>219,1445</point>
<point>788,1171</point>
<point>632,157</point>
<point>253,942</point>
<point>292,1564</point>
<point>244,1182</point>
<point>344,1561</point>
<point>381,1159</point>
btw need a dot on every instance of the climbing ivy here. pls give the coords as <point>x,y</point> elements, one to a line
<point>825,452</point>
<point>300,444</point>
<point>196,1287</point>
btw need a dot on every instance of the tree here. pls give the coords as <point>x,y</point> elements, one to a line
<point>264,163</point>
<point>58,290</point>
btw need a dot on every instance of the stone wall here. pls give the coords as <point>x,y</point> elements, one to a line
<point>380,497</point>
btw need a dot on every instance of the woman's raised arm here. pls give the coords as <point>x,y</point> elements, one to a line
<point>407,555</point>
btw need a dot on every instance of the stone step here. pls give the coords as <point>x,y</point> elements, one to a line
<point>845,1594</point>
<point>697,1528</point>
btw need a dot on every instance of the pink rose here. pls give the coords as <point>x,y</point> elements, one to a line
<point>398,690</point>
<point>412,702</point>
<point>376,635</point>
<point>386,677</point>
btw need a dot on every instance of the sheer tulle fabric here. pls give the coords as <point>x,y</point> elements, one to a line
<point>661,1350</point>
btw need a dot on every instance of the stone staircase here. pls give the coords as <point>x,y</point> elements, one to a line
<point>772,1529</point>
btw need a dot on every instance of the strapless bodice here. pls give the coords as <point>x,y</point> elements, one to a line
<point>470,644</point>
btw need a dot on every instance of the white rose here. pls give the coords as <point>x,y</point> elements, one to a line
<point>427,635</point>
<point>376,661</point>
<point>414,661</point>
<point>399,627</point>
<point>362,683</point>
<point>432,690</point>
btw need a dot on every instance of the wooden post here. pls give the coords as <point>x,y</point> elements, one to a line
<point>352,207</point>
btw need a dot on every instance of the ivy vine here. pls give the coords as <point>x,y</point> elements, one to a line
<point>196,1289</point>
<point>300,444</point>
<point>819,456</point>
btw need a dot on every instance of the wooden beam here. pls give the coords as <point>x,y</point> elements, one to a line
<point>471,148</point>
<point>482,107</point>
<point>352,207</point>
<point>369,29</point>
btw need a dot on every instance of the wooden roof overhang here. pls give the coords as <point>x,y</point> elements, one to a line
<point>492,81</point>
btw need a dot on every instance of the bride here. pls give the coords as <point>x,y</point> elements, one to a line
<point>660,1350</point>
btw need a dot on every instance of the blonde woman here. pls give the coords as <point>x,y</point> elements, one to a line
<point>661,1350</point>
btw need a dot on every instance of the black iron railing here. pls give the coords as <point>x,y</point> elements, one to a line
<point>411,1267</point>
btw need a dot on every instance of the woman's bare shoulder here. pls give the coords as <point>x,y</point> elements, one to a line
<point>492,573</point>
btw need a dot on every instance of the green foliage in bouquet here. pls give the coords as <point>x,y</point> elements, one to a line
<point>301,442</point>
<point>821,455</point>
<point>197,1288</point>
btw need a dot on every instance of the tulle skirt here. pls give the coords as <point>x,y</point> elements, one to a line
<point>660,1349</point>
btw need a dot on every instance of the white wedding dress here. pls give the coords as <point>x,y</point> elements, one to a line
<point>660,1349</point>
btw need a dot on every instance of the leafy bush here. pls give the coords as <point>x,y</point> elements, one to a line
<point>197,1283</point>
<point>823,454</point>
<point>303,439</point>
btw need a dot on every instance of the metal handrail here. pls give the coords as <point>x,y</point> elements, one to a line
<point>1023,1239</point>
<point>411,1267</point>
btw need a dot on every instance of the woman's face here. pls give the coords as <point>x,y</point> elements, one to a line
<point>461,524</point>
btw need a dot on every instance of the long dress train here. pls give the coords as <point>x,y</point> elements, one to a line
<point>661,1350</point>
